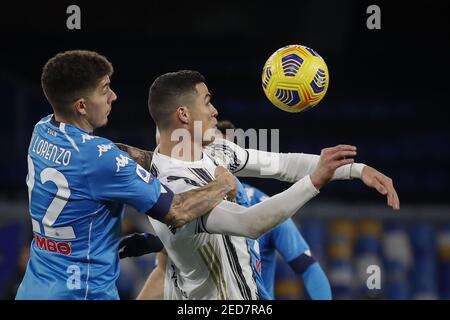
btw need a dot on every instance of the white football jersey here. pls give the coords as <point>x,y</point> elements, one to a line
<point>202,265</point>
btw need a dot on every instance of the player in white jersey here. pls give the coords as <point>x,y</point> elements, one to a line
<point>215,266</point>
<point>202,265</point>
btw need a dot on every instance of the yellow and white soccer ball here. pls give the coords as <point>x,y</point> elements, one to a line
<point>295,78</point>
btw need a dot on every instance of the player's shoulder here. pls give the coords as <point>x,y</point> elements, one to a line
<point>91,144</point>
<point>163,163</point>
<point>165,167</point>
<point>174,173</point>
<point>89,140</point>
<point>102,152</point>
<point>45,120</point>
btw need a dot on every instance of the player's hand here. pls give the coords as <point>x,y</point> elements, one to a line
<point>330,160</point>
<point>383,184</point>
<point>138,244</point>
<point>223,175</point>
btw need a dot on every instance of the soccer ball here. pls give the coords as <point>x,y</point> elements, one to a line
<point>295,78</point>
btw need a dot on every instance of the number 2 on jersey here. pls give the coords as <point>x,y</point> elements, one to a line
<point>56,206</point>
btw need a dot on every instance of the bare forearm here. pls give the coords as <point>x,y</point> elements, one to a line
<point>192,204</point>
<point>154,286</point>
<point>142,157</point>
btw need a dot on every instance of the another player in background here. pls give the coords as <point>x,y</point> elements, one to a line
<point>79,183</point>
<point>287,240</point>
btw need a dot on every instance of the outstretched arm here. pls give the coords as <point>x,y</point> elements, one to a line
<point>291,167</point>
<point>252,222</point>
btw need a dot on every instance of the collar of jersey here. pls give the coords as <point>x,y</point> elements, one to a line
<point>199,163</point>
<point>67,125</point>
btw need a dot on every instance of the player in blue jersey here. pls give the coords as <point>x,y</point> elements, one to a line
<point>287,240</point>
<point>78,184</point>
<point>254,248</point>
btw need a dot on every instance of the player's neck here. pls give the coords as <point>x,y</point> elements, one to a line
<point>184,149</point>
<point>78,122</point>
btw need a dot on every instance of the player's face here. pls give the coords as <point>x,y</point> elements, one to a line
<point>98,104</point>
<point>202,110</point>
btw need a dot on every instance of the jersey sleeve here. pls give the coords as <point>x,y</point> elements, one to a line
<point>227,154</point>
<point>286,237</point>
<point>178,184</point>
<point>113,176</point>
<point>288,240</point>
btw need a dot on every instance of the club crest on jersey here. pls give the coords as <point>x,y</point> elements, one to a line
<point>144,174</point>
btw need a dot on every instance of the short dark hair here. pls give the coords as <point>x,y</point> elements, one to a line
<point>166,92</point>
<point>223,125</point>
<point>71,73</point>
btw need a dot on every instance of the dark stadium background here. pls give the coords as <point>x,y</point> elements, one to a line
<point>387,95</point>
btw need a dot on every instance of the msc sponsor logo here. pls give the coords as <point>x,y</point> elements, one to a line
<point>44,243</point>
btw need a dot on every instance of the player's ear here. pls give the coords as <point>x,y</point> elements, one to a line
<point>80,106</point>
<point>183,115</point>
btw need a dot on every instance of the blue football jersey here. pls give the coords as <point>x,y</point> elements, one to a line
<point>285,238</point>
<point>253,245</point>
<point>78,185</point>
